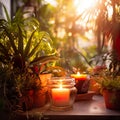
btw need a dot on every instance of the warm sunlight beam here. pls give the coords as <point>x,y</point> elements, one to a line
<point>52,2</point>
<point>82,5</point>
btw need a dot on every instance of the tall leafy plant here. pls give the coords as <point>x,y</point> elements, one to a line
<point>19,45</point>
<point>22,47</point>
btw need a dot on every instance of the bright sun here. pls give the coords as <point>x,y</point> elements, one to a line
<point>82,5</point>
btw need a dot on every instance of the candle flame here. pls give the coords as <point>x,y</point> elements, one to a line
<point>78,73</point>
<point>60,86</point>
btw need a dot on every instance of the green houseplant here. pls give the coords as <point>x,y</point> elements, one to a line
<point>24,50</point>
<point>109,81</point>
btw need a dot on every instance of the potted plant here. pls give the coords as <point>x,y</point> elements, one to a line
<point>109,81</point>
<point>23,48</point>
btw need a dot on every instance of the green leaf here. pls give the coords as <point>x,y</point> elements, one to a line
<point>6,13</point>
<point>18,18</point>
<point>27,48</point>
<point>42,34</point>
<point>31,22</point>
<point>33,50</point>
<point>2,22</point>
<point>11,38</point>
<point>44,59</point>
<point>20,41</point>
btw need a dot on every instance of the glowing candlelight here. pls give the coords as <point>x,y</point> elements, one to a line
<point>62,92</point>
<point>79,76</point>
<point>82,82</point>
<point>60,96</point>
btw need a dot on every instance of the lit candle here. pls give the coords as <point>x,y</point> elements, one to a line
<point>60,96</point>
<point>79,76</point>
<point>82,82</point>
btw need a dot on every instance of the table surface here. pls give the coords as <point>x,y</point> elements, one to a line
<point>95,106</point>
<point>84,109</point>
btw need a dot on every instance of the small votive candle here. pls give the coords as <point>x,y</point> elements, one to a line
<point>82,82</point>
<point>62,93</point>
<point>61,96</point>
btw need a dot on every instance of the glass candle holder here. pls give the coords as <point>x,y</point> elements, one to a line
<point>62,92</point>
<point>82,82</point>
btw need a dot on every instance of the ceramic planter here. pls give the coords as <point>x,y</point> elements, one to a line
<point>112,99</point>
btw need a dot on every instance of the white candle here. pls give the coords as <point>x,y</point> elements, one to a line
<point>60,96</point>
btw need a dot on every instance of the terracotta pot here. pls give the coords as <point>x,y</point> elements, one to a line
<point>112,99</point>
<point>26,101</point>
<point>44,78</point>
<point>40,97</point>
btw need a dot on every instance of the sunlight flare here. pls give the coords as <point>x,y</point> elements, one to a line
<point>82,5</point>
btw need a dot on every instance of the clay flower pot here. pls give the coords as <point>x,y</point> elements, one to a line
<point>40,97</point>
<point>112,99</point>
<point>44,78</point>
